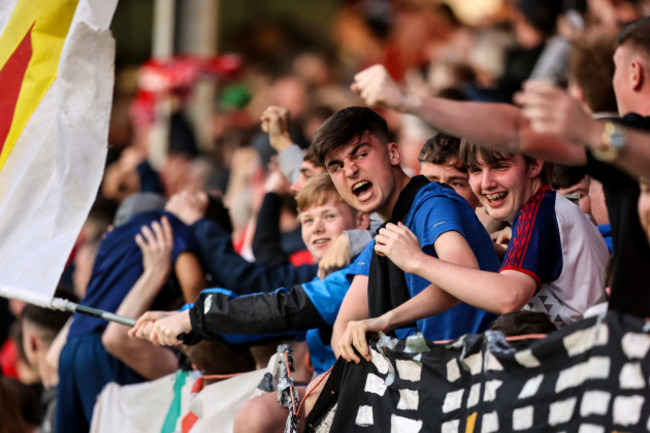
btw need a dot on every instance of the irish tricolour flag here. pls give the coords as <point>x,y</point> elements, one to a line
<point>56,86</point>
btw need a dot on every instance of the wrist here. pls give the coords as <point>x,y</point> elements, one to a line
<point>409,103</point>
<point>610,142</point>
<point>281,142</point>
<point>156,274</point>
<point>387,320</point>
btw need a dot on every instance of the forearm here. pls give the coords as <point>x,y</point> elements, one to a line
<point>290,159</point>
<point>149,361</point>
<point>498,127</point>
<point>190,276</point>
<point>635,158</point>
<point>353,307</point>
<point>142,294</point>
<point>263,313</point>
<point>429,302</point>
<point>490,291</point>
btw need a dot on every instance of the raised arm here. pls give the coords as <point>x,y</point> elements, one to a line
<point>553,111</point>
<point>501,127</point>
<point>229,269</point>
<point>149,361</point>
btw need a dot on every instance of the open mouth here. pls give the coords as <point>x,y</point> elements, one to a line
<point>318,242</point>
<point>493,198</point>
<point>361,189</point>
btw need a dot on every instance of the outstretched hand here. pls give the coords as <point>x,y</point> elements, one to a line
<point>156,244</point>
<point>551,110</point>
<point>400,245</point>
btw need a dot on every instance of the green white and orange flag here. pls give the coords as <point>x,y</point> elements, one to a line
<point>56,86</point>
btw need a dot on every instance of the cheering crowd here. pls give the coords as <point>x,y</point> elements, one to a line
<point>432,177</point>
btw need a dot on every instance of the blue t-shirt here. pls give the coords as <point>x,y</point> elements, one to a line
<point>438,209</point>
<point>118,266</point>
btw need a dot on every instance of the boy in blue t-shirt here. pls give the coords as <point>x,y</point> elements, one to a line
<point>365,167</point>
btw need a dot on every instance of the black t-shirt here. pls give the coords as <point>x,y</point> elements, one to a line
<point>631,258</point>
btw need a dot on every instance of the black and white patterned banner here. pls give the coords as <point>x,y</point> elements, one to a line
<point>589,377</point>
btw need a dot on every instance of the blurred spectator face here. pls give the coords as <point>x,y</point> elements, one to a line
<point>625,78</point>
<point>644,206</point>
<point>505,186</point>
<point>582,189</point>
<point>321,225</point>
<point>83,267</point>
<point>598,205</point>
<point>307,171</point>
<point>453,175</point>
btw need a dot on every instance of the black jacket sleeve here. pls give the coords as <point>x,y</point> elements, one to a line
<point>219,311</point>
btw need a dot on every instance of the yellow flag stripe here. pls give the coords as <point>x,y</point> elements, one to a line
<point>22,18</point>
<point>51,25</point>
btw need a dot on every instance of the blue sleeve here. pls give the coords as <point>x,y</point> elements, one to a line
<point>435,216</point>
<point>327,294</point>
<point>361,265</point>
<point>535,247</point>
<point>231,271</point>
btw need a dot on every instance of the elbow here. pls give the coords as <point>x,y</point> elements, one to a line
<point>510,304</point>
<point>113,340</point>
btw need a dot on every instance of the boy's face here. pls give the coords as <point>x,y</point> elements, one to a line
<point>321,225</point>
<point>307,171</point>
<point>362,172</point>
<point>452,174</point>
<point>505,186</point>
<point>644,206</point>
<point>582,189</point>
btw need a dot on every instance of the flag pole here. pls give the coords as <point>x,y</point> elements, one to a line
<point>65,305</point>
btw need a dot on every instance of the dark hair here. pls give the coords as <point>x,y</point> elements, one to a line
<point>49,320</point>
<point>523,323</point>
<point>217,211</point>
<point>216,357</point>
<point>344,126</point>
<point>440,149</point>
<point>592,68</point>
<point>637,34</point>
<point>19,406</point>
<point>470,152</point>
<point>565,176</point>
<point>310,157</point>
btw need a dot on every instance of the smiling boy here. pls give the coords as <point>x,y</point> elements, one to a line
<point>554,263</point>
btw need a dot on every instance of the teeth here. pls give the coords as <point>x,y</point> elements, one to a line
<point>320,241</point>
<point>495,196</point>
<point>360,184</point>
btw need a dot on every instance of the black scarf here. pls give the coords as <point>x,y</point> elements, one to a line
<point>386,282</point>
